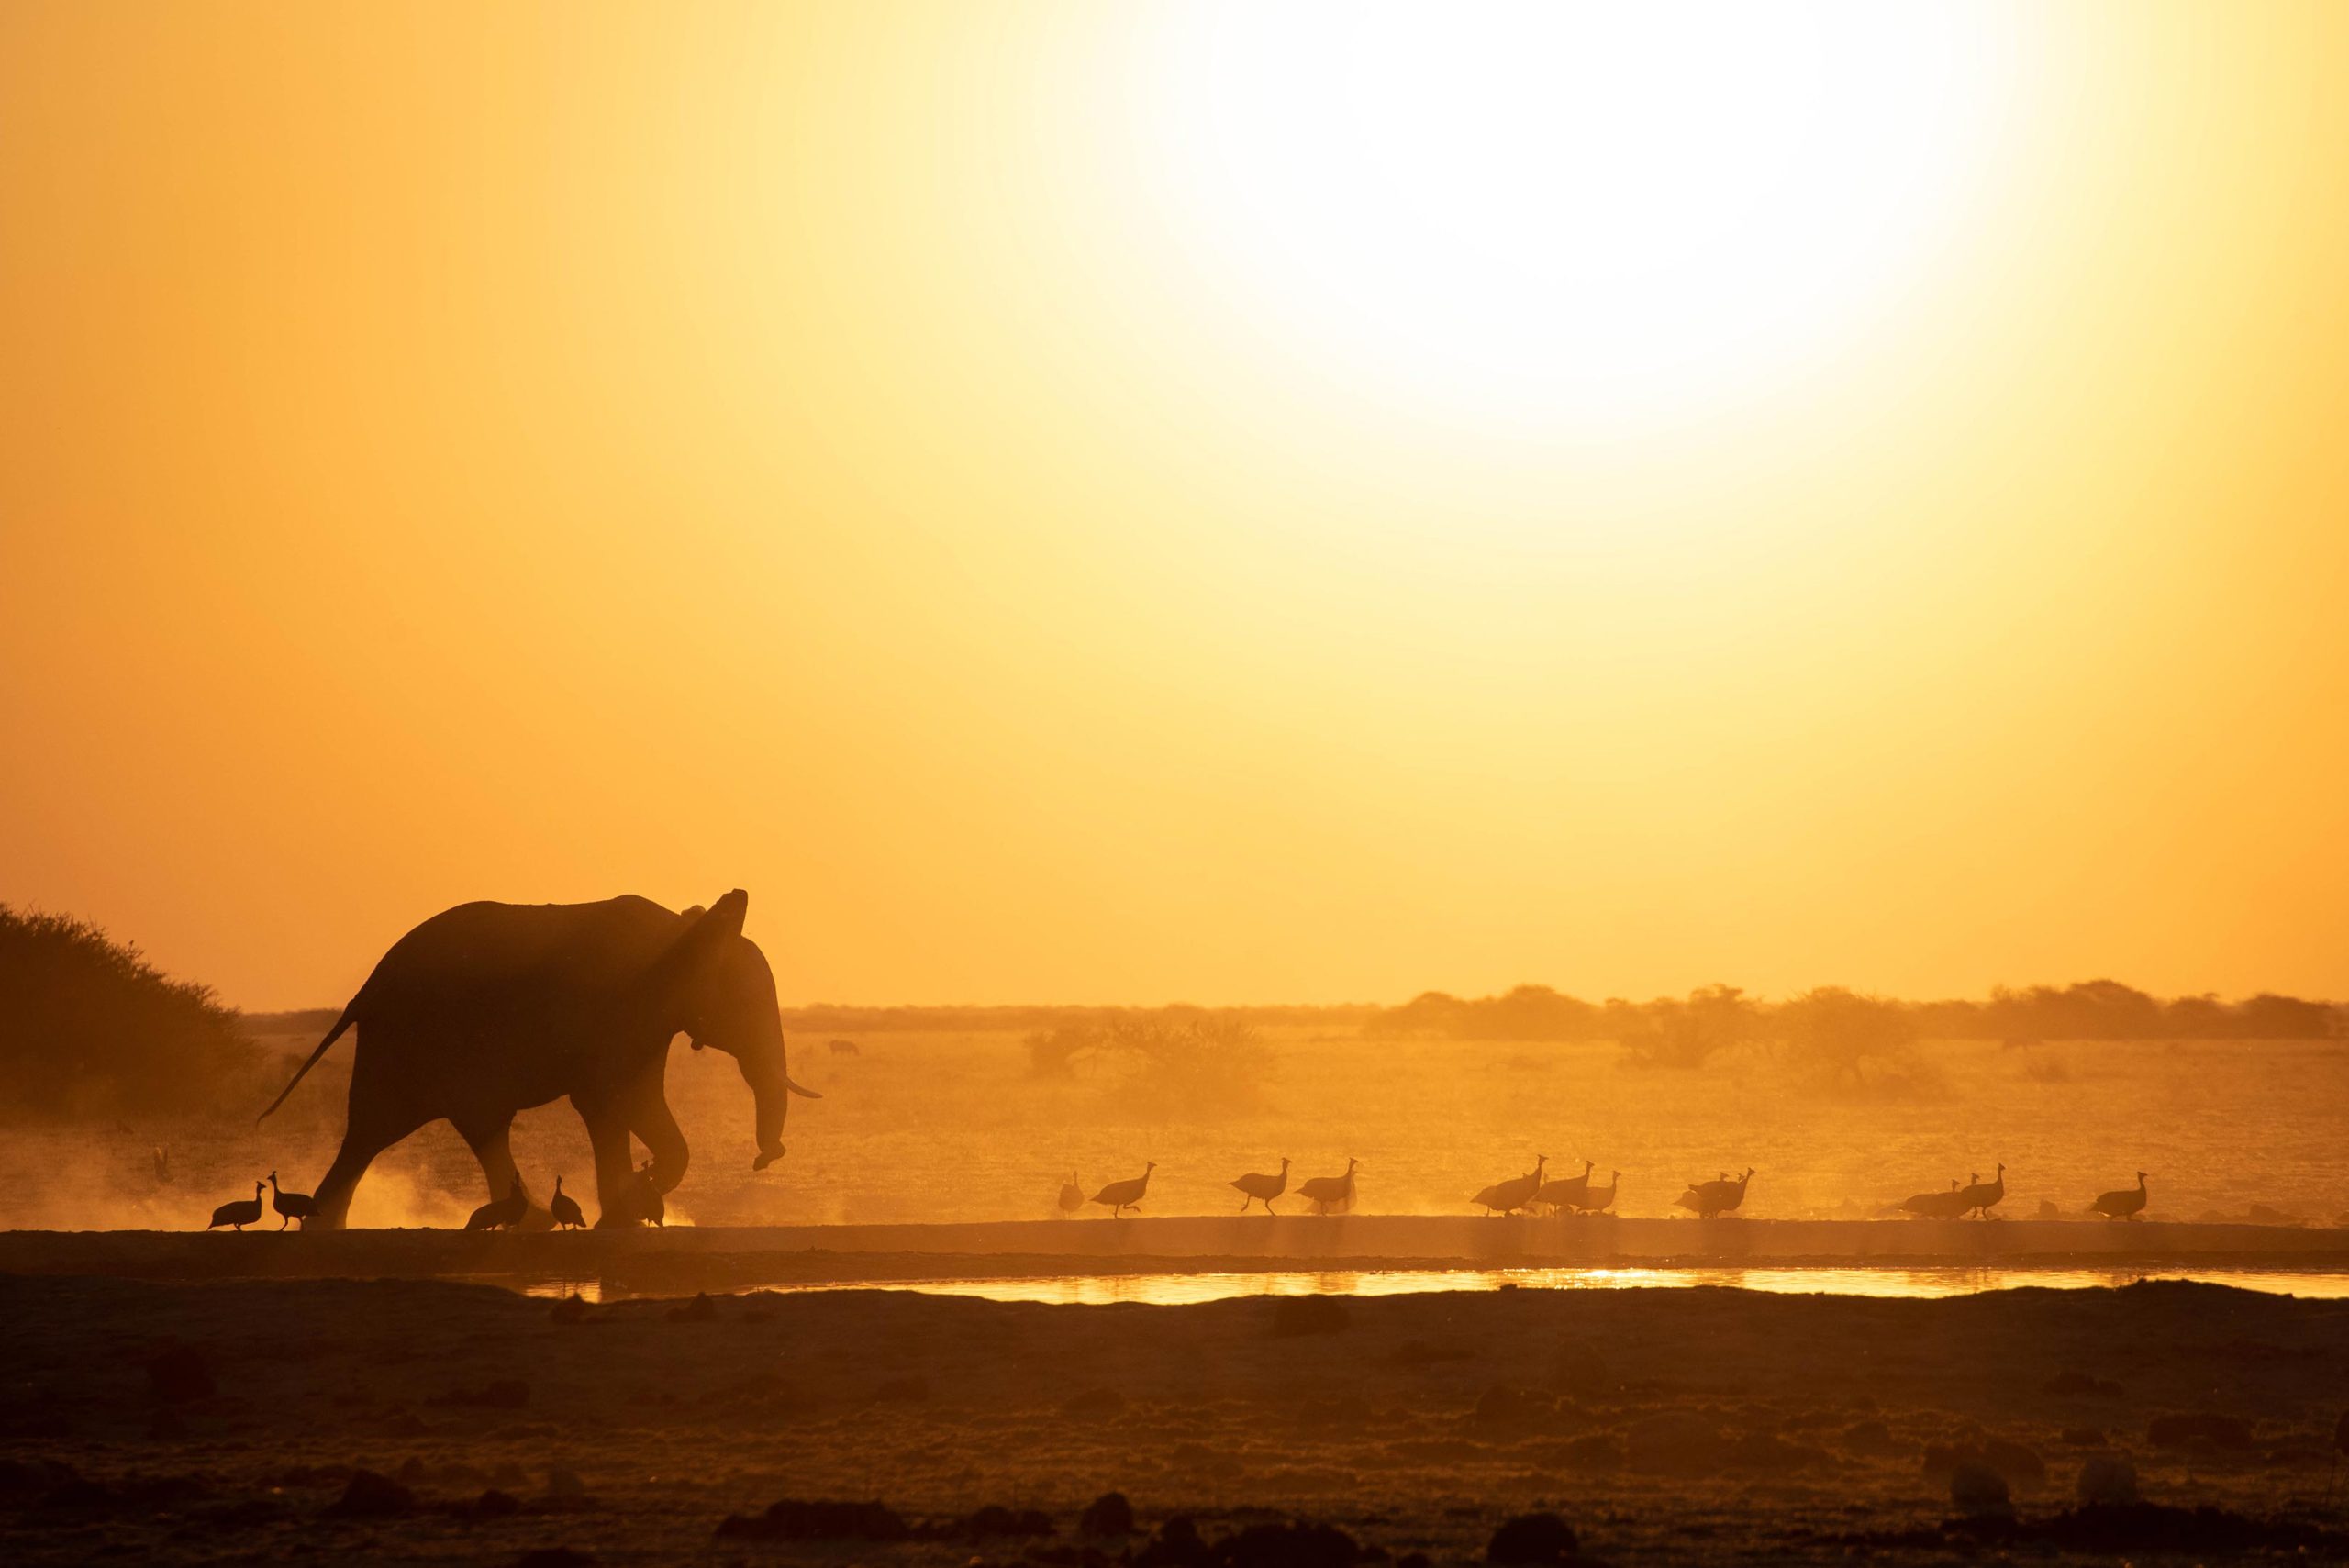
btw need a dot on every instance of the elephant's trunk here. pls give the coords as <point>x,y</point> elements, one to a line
<point>772,1088</point>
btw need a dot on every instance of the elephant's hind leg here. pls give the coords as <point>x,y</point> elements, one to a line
<point>364,1137</point>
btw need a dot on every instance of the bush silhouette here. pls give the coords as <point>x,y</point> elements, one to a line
<point>89,1027</point>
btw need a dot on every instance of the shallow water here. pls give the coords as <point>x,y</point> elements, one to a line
<point>1180,1289</point>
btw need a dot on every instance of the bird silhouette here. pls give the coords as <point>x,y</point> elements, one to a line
<point>1505,1197</point>
<point>501,1213</point>
<point>1325,1193</point>
<point>1256,1188</point>
<point>291,1205</point>
<point>1596,1200</point>
<point>1565,1192</point>
<point>1708,1200</point>
<point>239,1215</point>
<point>1982,1196</point>
<point>651,1205</point>
<point>1072,1195</point>
<point>2126,1203</point>
<point>1119,1197</point>
<point>1947,1203</point>
<point>566,1209</point>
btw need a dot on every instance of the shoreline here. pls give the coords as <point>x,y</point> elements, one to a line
<point>688,1259</point>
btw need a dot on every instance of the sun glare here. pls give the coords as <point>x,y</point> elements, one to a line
<point>1532,213</point>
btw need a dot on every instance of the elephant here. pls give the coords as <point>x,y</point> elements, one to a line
<point>487,1009</point>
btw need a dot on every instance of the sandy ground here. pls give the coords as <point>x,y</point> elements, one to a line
<point>1682,1425</point>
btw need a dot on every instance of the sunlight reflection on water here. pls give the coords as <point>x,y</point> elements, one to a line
<point>1180,1289</point>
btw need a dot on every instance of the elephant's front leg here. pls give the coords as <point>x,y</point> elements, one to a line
<point>608,1135</point>
<point>649,1116</point>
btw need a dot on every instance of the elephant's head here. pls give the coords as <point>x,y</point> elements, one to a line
<point>714,985</point>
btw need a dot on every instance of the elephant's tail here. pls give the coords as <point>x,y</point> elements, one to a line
<point>350,1017</point>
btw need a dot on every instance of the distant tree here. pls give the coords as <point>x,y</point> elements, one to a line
<point>1831,1025</point>
<point>89,1027</point>
<point>1844,1038</point>
<point>1430,1015</point>
<point>2267,1017</point>
<point>2199,1017</point>
<point>1689,1033</point>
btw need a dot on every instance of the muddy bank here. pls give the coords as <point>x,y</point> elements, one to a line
<point>184,1422</point>
<point>713,1258</point>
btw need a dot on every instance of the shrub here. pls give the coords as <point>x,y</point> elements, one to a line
<point>89,1027</point>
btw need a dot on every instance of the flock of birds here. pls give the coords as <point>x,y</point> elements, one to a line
<point>1707,1200</point>
<point>246,1211</point>
<point>1326,1194</point>
<point>1724,1194</point>
<point>1336,1194</point>
<point>499,1213</point>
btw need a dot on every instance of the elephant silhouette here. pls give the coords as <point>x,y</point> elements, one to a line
<point>487,1009</point>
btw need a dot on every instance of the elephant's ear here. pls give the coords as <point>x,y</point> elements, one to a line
<point>697,947</point>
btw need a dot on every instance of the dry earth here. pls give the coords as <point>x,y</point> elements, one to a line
<point>222,1421</point>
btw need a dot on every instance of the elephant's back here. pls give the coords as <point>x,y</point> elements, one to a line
<point>489,947</point>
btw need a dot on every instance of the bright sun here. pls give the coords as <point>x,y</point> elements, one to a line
<point>1531,212</point>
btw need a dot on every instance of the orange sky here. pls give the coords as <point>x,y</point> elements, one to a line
<point>1061,511</point>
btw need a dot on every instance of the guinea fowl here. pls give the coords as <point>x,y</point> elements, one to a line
<point>1946,1205</point>
<point>1072,1195</point>
<point>1708,1200</point>
<point>1328,1192</point>
<point>1595,1200</point>
<point>240,1214</point>
<point>1506,1197</point>
<point>1566,1191</point>
<point>291,1205</point>
<point>1119,1197</point>
<point>652,1206</point>
<point>501,1213</point>
<point>1257,1188</point>
<point>1982,1196</point>
<point>2126,1203</point>
<point>566,1209</point>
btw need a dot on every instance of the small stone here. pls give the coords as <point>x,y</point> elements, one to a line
<point>1977,1491</point>
<point>1298,1315</point>
<point>373,1495</point>
<point>2108,1480</point>
<point>1094,1405</point>
<point>700,1309</point>
<point>1109,1514</point>
<point>1531,1540</point>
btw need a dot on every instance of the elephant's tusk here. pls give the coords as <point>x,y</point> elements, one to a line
<point>802,1090</point>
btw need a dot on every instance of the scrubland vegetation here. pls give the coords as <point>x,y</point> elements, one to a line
<point>88,1028</point>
